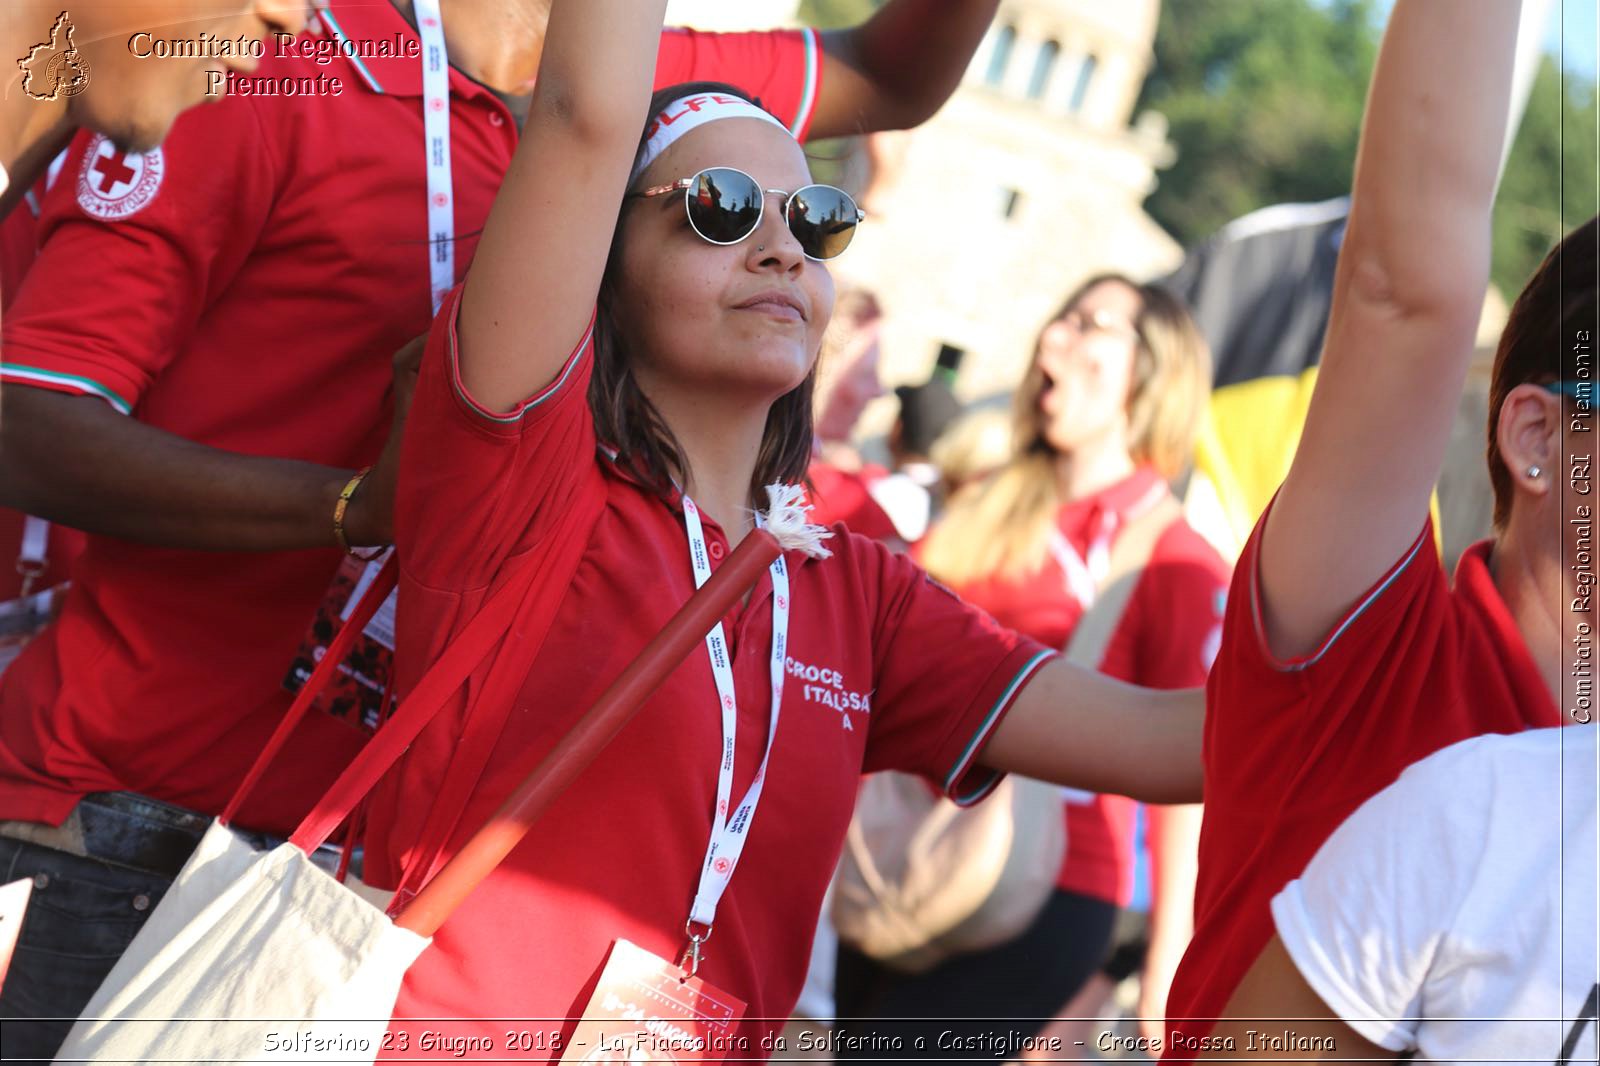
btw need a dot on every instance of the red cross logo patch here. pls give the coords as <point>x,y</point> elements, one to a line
<point>114,184</point>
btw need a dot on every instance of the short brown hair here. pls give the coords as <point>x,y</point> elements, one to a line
<point>626,419</point>
<point>1558,301</point>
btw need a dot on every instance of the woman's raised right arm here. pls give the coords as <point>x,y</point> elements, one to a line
<point>533,282</point>
<point>1407,294</point>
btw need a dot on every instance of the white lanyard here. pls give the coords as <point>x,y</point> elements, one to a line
<point>436,138</point>
<point>1085,575</point>
<point>728,834</point>
<point>34,554</point>
<point>441,231</point>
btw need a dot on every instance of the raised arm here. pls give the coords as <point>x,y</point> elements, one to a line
<point>900,66</point>
<point>1407,294</point>
<point>1082,729</point>
<point>537,271</point>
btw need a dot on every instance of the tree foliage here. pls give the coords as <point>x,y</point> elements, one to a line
<point>1264,101</point>
<point>1550,181</point>
<point>836,14</point>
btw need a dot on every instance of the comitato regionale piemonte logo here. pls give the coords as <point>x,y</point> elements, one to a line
<point>54,68</point>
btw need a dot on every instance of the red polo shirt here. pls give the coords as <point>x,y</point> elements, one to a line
<point>886,670</point>
<point>244,286</point>
<point>1166,638</point>
<point>1292,748</point>
<point>19,243</point>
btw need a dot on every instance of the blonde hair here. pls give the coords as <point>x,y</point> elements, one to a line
<point>1001,525</point>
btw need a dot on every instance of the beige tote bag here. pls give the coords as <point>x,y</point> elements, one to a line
<point>922,879</point>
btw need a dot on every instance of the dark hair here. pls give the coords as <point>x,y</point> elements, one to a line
<point>926,411</point>
<point>626,419</point>
<point>1556,304</point>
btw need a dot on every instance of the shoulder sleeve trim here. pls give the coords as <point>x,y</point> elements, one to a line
<point>808,92</point>
<point>981,736</point>
<point>1315,656</point>
<point>61,382</point>
<point>517,413</point>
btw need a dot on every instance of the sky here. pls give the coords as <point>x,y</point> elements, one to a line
<point>1569,36</point>
<point>1572,25</point>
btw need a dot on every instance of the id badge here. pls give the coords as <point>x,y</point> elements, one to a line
<point>645,1009</point>
<point>356,692</point>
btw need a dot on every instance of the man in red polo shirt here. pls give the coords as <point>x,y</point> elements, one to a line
<point>1346,655</point>
<point>239,292</point>
<point>79,68</point>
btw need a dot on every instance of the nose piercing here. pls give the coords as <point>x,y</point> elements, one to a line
<point>761,247</point>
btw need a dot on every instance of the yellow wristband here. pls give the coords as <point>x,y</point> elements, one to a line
<point>342,505</point>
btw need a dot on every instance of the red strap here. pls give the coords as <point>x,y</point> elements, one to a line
<point>459,658</point>
<point>492,700</point>
<point>314,685</point>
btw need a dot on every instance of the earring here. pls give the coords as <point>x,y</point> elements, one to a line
<point>1534,472</point>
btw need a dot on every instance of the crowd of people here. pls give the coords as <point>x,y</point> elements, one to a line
<point>542,301</point>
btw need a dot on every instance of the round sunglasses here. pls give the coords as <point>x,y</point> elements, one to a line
<point>726,205</point>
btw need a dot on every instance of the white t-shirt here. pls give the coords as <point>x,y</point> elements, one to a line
<point>1454,914</point>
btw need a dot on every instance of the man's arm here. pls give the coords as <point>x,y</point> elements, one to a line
<point>1081,729</point>
<point>899,67</point>
<point>73,460</point>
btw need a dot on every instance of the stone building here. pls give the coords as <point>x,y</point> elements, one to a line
<point>1029,180</point>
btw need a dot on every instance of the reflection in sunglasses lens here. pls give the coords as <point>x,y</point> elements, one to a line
<point>823,220</point>
<point>725,208</point>
<point>724,205</point>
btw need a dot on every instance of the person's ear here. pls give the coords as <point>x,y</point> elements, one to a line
<point>1529,435</point>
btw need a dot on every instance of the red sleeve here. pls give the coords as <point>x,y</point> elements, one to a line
<point>132,250</point>
<point>17,234</point>
<point>1334,723</point>
<point>475,486</point>
<point>944,675</point>
<point>1293,746</point>
<point>781,68</point>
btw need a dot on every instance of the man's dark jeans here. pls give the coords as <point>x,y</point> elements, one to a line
<point>81,917</point>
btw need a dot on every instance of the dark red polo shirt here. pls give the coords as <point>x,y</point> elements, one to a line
<point>1293,747</point>
<point>887,669</point>
<point>1166,638</point>
<point>19,243</point>
<point>244,286</point>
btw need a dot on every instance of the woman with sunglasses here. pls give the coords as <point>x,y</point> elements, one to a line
<point>1103,422</point>
<point>627,366</point>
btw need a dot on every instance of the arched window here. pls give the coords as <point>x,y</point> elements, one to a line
<point>1080,88</point>
<point>1044,63</point>
<point>1000,56</point>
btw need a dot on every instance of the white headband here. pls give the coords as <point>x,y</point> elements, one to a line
<point>688,113</point>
